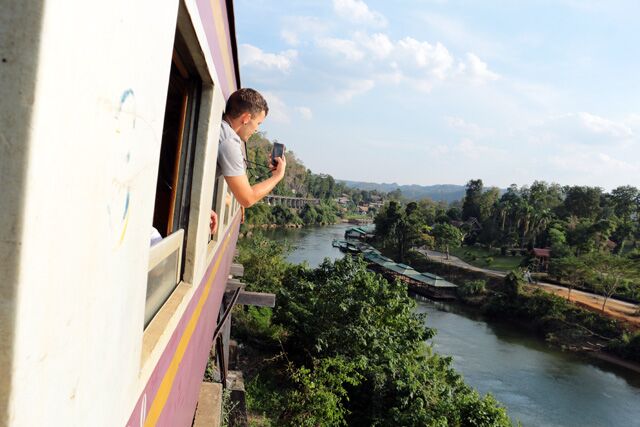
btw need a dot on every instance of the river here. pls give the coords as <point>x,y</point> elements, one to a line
<point>539,385</point>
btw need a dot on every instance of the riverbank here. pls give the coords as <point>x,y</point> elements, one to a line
<point>559,322</point>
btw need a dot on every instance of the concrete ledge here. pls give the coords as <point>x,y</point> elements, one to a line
<point>209,410</point>
<point>236,270</point>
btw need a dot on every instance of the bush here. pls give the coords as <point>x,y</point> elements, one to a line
<point>471,288</point>
<point>489,260</point>
<point>513,283</point>
<point>627,346</point>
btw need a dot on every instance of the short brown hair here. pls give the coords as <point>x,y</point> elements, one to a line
<point>245,101</point>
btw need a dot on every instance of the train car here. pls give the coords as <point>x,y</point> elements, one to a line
<point>110,118</point>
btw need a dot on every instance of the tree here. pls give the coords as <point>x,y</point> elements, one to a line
<point>513,283</point>
<point>283,215</point>
<point>610,272</point>
<point>582,202</point>
<point>446,236</point>
<point>571,269</point>
<point>409,230</point>
<point>487,203</point>
<point>357,344</point>
<point>309,215</point>
<point>625,201</point>
<point>471,206</point>
<point>386,221</point>
<point>264,262</point>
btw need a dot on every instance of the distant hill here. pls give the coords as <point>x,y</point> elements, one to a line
<point>445,192</point>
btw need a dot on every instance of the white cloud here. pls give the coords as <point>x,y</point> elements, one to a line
<point>602,126</point>
<point>633,120</point>
<point>304,26</point>
<point>278,110</point>
<point>587,129</point>
<point>251,56</point>
<point>467,128</point>
<point>358,12</point>
<point>346,48</point>
<point>460,35</point>
<point>290,37</point>
<point>598,166</point>
<point>354,88</point>
<point>377,44</point>
<point>305,112</point>
<point>436,60</point>
<point>478,70</point>
<point>472,150</point>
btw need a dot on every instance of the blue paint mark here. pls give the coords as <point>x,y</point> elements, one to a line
<point>127,93</point>
<point>126,205</point>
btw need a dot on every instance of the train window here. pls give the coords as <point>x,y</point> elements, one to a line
<point>177,150</point>
<point>175,175</point>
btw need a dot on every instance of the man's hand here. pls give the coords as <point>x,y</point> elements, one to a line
<point>281,165</point>
<point>248,194</point>
<point>213,223</point>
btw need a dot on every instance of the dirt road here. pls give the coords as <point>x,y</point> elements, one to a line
<point>617,309</point>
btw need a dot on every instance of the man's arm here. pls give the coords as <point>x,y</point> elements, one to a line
<point>248,195</point>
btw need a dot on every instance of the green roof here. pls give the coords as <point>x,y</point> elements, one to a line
<point>373,255</point>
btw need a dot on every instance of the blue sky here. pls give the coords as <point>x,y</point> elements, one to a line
<point>443,91</point>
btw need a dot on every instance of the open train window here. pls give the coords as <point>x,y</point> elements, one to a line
<point>175,174</point>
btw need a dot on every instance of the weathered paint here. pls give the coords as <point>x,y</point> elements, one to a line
<point>170,396</point>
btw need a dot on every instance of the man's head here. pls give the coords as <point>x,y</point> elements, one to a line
<point>245,111</point>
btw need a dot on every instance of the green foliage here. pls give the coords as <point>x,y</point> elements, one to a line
<point>265,398</point>
<point>472,200</point>
<point>399,228</point>
<point>353,351</point>
<point>610,273</point>
<point>309,215</point>
<point>470,288</point>
<point>263,261</point>
<point>298,182</point>
<point>228,407</point>
<point>447,236</point>
<point>341,310</point>
<point>573,271</point>
<point>258,214</point>
<point>513,283</point>
<point>318,396</point>
<point>255,323</point>
<point>551,314</point>
<point>627,346</point>
<point>283,215</point>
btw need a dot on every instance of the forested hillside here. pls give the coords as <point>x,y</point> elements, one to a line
<point>336,199</point>
<point>441,192</point>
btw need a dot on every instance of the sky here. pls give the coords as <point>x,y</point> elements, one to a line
<point>443,91</point>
